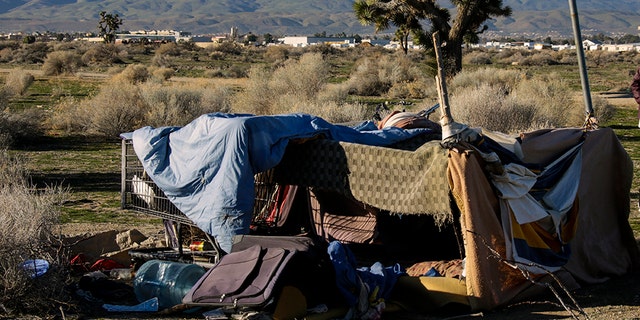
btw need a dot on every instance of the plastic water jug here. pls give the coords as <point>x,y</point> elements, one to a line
<point>167,280</point>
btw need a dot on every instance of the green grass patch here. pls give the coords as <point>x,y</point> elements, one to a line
<point>625,125</point>
<point>45,92</point>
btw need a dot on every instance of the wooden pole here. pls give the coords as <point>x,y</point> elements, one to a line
<point>443,95</point>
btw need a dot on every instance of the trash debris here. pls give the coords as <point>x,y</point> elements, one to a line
<point>168,281</point>
<point>35,267</point>
<point>150,305</point>
<point>215,314</point>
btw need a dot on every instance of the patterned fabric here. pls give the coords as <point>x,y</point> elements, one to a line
<point>395,179</point>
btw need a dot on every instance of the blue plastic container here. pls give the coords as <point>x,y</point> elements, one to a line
<point>167,280</point>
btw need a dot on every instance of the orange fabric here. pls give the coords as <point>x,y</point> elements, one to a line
<point>489,281</point>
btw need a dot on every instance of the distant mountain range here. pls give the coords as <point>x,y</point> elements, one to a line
<point>298,17</point>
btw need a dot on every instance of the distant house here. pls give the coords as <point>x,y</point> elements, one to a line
<point>307,41</point>
<point>203,41</point>
<point>153,36</point>
<point>377,42</point>
<point>208,41</point>
<point>558,47</point>
<point>591,44</point>
<point>542,46</point>
<point>622,47</point>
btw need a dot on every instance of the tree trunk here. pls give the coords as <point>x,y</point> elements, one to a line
<point>456,35</point>
<point>453,57</point>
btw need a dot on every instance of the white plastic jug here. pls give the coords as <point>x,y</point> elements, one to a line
<point>167,280</point>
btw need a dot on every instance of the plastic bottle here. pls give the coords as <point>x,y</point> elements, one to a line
<point>167,280</point>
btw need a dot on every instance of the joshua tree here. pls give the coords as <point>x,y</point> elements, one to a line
<point>408,16</point>
<point>108,26</point>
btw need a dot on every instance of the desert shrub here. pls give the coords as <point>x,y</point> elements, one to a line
<point>324,49</point>
<point>333,92</point>
<point>162,60</point>
<point>216,55</point>
<point>35,53</point>
<point>276,54</point>
<point>10,44</point>
<point>139,48</point>
<point>551,96</point>
<point>539,59</point>
<point>511,103</point>
<point>506,79</point>
<point>399,68</point>
<point>162,74</point>
<point>336,112</point>
<point>366,81</point>
<point>490,108</point>
<point>330,110</point>
<point>514,57</point>
<point>61,62</point>
<point>632,57</point>
<point>115,109</point>
<point>169,49</point>
<point>188,46</point>
<point>21,126</point>
<point>6,55</point>
<point>227,47</point>
<point>18,81</point>
<point>300,79</point>
<point>78,46</point>
<point>297,86</point>
<point>257,97</point>
<point>602,110</point>
<point>477,58</point>
<point>168,105</point>
<point>601,57</point>
<point>103,54</point>
<point>289,79</point>
<point>5,96</point>
<point>217,99</point>
<point>132,74</point>
<point>504,55</point>
<point>179,104</point>
<point>376,75</point>
<point>288,102</point>
<point>69,116</point>
<point>236,71</point>
<point>124,107</point>
<point>214,73</point>
<point>418,89</point>
<point>568,57</point>
<point>27,231</point>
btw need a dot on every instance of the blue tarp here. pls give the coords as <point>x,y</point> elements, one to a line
<point>206,168</point>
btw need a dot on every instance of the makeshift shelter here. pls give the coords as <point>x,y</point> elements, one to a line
<point>400,194</point>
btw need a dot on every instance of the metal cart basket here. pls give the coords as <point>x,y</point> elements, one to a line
<point>140,193</point>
